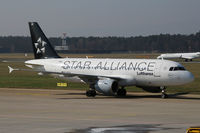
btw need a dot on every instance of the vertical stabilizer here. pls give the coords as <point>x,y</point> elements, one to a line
<point>41,46</point>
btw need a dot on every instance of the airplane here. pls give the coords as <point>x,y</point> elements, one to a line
<point>186,56</point>
<point>106,76</point>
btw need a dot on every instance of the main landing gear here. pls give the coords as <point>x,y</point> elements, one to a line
<point>91,93</point>
<point>121,92</point>
<point>186,60</point>
<point>163,90</point>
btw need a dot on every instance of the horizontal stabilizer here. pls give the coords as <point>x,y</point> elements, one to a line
<point>11,69</point>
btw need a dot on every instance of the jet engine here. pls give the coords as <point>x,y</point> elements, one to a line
<point>151,89</point>
<point>107,86</point>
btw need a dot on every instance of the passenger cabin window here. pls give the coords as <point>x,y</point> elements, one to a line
<point>176,69</point>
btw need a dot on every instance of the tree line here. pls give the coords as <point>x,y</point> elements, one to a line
<point>140,44</point>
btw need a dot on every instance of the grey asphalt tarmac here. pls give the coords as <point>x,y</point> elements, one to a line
<point>63,111</point>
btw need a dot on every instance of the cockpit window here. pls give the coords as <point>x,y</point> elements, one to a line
<point>176,69</point>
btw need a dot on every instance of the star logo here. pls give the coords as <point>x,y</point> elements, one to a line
<point>40,46</point>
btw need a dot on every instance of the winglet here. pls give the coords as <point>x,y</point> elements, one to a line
<point>10,69</point>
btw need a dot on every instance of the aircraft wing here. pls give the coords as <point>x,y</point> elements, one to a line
<point>92,78</point>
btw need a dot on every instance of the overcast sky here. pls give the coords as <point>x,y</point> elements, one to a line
<point>100,17</point>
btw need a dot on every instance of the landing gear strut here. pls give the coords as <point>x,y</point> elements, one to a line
<point>163,90</point>
<point>121,92</point>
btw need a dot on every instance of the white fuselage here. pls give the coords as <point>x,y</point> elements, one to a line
<point>179,55</point>
<point>129,72</point>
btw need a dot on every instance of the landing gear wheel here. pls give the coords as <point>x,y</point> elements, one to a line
<point>121,92</point>
<point>91,93</point>
<point>163,95</point>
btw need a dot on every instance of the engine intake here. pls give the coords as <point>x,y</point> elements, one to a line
<point>107,86</point>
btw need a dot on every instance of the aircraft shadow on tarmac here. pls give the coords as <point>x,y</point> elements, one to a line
<point>130,96</point>
<point>138,128</point>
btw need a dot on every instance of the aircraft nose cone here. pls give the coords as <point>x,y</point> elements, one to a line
<point>189,77</point>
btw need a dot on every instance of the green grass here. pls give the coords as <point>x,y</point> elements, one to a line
<point>24,79</point>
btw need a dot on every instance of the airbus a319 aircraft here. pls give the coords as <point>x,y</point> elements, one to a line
<point>186,56</point>
<point>106,76</point>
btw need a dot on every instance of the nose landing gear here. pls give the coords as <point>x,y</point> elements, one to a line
<point>163,91</point>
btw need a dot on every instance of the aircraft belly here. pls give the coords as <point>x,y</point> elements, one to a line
<point>127,82</point>
<point>149,81</point>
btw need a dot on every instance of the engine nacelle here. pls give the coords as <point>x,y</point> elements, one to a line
<point>107,86</point>
<point>151,89</point>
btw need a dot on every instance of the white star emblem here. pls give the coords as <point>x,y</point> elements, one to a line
<point>40,46</point>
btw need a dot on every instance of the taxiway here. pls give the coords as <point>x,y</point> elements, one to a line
<point>62,111</point>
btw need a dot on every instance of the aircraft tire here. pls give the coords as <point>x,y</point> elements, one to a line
<point>163,96</point>
<point>91,93</point>
<point>121,92</point>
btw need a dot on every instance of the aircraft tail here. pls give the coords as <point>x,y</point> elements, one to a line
<point>41,46</point>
